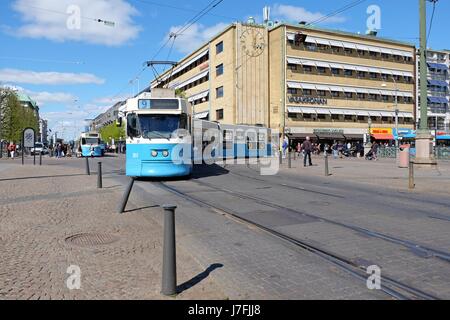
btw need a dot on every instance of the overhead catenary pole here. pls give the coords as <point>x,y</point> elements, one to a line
<point>423,138</point>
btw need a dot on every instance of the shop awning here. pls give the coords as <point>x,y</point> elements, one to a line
<point>437,100</point>
<point>198,96</point>
<point>380,136</point>
<point>438,66</point>
<point>438,83</point>
<point>445,137</point>
<point>201,115</point>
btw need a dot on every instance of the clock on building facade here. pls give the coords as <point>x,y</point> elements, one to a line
<point>253,42</point>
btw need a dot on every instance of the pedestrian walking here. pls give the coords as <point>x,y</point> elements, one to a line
<point>307,149</point>
<point>375,148</point>
<point>285,146</point>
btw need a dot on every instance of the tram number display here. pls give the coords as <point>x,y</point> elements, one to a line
<point>158,104</point>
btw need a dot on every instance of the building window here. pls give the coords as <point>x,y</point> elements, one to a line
<point>361,52</point>
<point>348,118</point>
<point>307,116</point>
<point>219,92</point>
<point>292,91</point>
<point>307,69</point>
<point>361,96</point>
<point>335,117</point>
<point>348,51</point>
<point>385,55</point>
<point>373,54</point>
<point>384,76</point>
<point>219,47</point>
<point>311,47</point>
<point>335,94</point>
<point>335,71</point>
<point>385,98</point>
<point>307,92</point>
<point>373,75</point>
<point>348,73</point>
<point>219,70</point>
<point>373,97</point>
<point>219,114</point>
<point>321,70</point>
<point>361,74</point>
<point>321,93</point>
<point>349,95</point>
<point>292,67</point>
<point>321,116</point>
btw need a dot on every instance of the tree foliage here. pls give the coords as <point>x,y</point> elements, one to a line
<point>14,117</point>
<point>112,132</point>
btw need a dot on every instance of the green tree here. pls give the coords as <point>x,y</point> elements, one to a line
<point>14,117</point>
<point>113,132</point>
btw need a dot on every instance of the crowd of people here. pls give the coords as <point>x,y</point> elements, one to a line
<point>338,149</point>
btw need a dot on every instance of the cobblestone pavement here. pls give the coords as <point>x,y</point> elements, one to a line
<point>39,214</point>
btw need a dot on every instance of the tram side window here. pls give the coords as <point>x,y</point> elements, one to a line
<point>132,126</point>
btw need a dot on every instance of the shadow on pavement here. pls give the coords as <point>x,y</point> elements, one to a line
<point>143,208</point>
<point>198,278</point>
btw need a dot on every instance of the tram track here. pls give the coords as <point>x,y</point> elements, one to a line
<point>389,286</point>
<point>411,245</point>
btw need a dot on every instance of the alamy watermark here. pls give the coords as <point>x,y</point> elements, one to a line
<point>73,22</point>
<point>73,282</point>
<point>374,280</point>
<point>374,19</point>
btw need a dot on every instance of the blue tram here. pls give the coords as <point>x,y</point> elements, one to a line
<point>164,140</point>
<point>89,145</point>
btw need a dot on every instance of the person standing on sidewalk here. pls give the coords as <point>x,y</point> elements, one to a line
<point>307,149</point>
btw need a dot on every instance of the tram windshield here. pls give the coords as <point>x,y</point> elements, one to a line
<point>156,126</point>
<point>85,141</point>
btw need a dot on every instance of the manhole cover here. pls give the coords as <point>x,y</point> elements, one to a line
<point>91,239</point>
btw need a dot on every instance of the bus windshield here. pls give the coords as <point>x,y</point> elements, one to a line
<point>154,126</point>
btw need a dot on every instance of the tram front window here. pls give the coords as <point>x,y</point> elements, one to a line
<point>86,141</point>
<point>161,126</point>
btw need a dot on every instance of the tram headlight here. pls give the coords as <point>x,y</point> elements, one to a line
<point>165,153</point>
<point>154,153</point>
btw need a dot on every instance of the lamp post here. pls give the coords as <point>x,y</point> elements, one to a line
<point>396,116</point>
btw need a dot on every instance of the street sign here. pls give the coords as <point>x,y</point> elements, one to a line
<point>28,138</point>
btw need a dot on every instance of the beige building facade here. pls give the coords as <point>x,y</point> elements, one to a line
<point>301,80</point>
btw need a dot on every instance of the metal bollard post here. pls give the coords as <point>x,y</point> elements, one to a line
<point>295,155</point>
<point>327,169</point>
<point>281,157</point>
<point>40,159</point>
<point>126,196</point>
<point>290,160</point>
<point>169,273</point>
<point>34,158</point>
<point>99,176</point>
<point>412,184</point>
<point>88,171</point>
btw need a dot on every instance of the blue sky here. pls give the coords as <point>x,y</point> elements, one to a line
<point>76,73</point>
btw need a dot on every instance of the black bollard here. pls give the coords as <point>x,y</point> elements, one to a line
<point>99,176</point>
<point>281,157</point>
<point>88,171</point>
<point>40,159</point>
<point>327,170</point>
<point>1,149</point>
<point>34,158</point>
<point>290,160</point>
<point>126,196</point>
<point>169,272</point>
<point>412,184</point>
<point>23,152</point>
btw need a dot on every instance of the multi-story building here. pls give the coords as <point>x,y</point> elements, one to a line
<point>43,130</point>
<point>106,118</point>
<point>302,80</point>
<point>27,102</point>
<point>438,63</point>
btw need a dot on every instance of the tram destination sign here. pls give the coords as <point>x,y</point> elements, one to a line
<point>311,100</point>
<point>158,104</point>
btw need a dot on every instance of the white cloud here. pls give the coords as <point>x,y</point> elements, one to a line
<point>53,22</point>
<point>195,36</point>
<point>45,97</point>
<point>297,14</point>
<point>111,100</point>
<point>48,78</point>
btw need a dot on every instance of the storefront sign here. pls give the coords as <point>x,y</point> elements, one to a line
<point>328,131</point>
<point>310,100</point>
<point>382,131</point>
